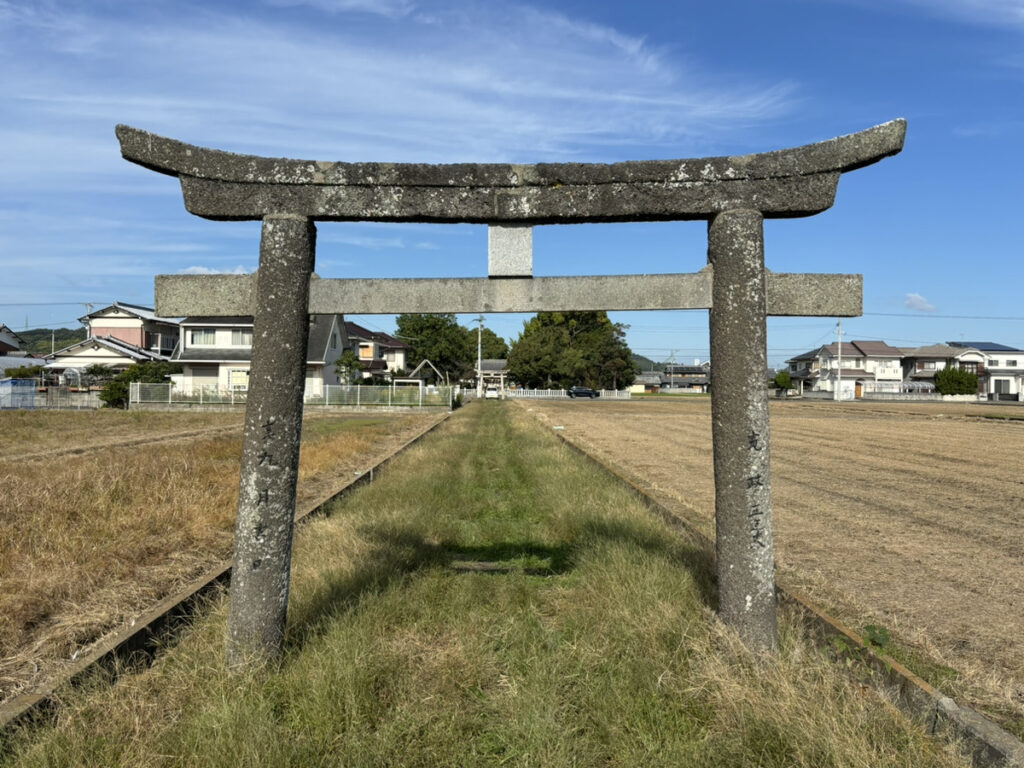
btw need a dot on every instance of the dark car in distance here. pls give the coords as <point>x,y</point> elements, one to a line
<point>583,392</point>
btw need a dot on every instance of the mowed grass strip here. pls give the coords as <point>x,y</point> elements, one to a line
<point>88,541</point>
<point>493,599</point>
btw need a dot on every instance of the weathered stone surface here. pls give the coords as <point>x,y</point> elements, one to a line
<point>744,545</point>
<point>843,153</point>
<point>270,445</point>
<point>788,294</point>
<point>786,183</point>
<point>510,251</point>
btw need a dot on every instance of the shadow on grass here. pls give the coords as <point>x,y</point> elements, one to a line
<point>401,552</point>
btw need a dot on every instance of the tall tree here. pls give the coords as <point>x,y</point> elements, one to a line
<point>439,339</point>
<point>492,346</point>
<point>560,349</point>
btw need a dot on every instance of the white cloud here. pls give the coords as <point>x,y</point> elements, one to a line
<point>918,303</point>
<point>239,270</point>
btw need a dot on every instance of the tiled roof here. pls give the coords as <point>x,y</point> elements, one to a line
<point>356,331</point>
<point>932,350</point>
<point>145,313</point>
<point>985,346</point>
<point>113,344</point>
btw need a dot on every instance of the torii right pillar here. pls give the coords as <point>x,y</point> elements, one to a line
<point>740,428</point>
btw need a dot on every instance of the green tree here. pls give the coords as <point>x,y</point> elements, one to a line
<point>24,372</point>
<point>348,366</point>
<point>492,346</point>
<point>439,339</point>
<point>39,341</point>
<point>783,380</point>
<point>953,380</point>
<point>115,393</point>
<point>560,349</point>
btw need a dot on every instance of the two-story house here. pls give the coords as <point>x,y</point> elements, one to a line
<point>380,353</point>
<point>118,336</point>
<point>867,366</point>
<point>1000,368</point>
<point>216,353</point>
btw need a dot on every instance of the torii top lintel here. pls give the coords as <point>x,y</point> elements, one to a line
<point>786,183</point>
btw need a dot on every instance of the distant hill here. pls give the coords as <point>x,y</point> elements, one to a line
<point>644,364</point>
<point>37,341</point>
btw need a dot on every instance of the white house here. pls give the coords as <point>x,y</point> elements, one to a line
<point>118,336</point>
<point>867,366</point>
<point>1000,368</point>
<point>216,353</point>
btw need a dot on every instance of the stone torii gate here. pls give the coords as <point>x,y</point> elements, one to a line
<point>733,194</point>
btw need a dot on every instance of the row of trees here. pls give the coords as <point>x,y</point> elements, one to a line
<point>555,349</point>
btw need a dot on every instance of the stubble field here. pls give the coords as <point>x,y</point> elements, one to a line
<point>102,514</point>
<point>896,515</point>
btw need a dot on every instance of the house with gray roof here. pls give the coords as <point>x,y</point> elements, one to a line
<point>10,341</point>
<point>118,336</point>
<point>216,353</point>
<point>857,367</point>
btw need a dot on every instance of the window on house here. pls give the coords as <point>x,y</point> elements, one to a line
<point>202,337</point>
<point>241,337</point>
<point>969,367</point>
<point>1010,363</point>
<point>238,378</point>
<point>334,341</point>
<point>994,363</point>
<point>929,365</point>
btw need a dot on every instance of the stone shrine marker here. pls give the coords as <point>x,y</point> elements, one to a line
<point>733,194</point>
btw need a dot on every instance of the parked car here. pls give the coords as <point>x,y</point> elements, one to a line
<point>583,392</point>
<point>491,392</point>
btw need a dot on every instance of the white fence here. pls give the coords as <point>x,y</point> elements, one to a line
<point>559,394</point>
<point>332,395</point>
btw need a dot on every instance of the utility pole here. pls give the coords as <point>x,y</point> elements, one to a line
<point>839,359</point>
<point>479,357</point>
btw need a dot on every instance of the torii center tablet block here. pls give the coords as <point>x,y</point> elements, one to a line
<point>733,194</point>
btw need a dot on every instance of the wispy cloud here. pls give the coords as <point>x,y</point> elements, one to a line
<point>918,303</point>
<point>389,8</point>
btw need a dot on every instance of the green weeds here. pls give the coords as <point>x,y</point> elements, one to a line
<point>493,599</point>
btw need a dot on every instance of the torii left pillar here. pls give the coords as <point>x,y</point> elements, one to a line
<point>270,446</point>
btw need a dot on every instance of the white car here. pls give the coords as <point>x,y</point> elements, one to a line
<point>491,392</point>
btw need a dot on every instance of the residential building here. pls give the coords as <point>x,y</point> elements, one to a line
<point>867,366</point>
<point>690,378</point>
<point>10,341</point>
<point>381,353</point>
<point>920,364</point>
<point>1000,368</point>
<point>216,353</point>
<point>135,325</point>
<point>118,336</point>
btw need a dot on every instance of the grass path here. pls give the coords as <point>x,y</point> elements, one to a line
<point>492,600</point>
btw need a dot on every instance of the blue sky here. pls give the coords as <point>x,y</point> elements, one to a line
<point>936,231</point>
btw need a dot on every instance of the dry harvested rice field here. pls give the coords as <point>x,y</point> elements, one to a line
<point>907,516</point>
<point>103,514</point>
